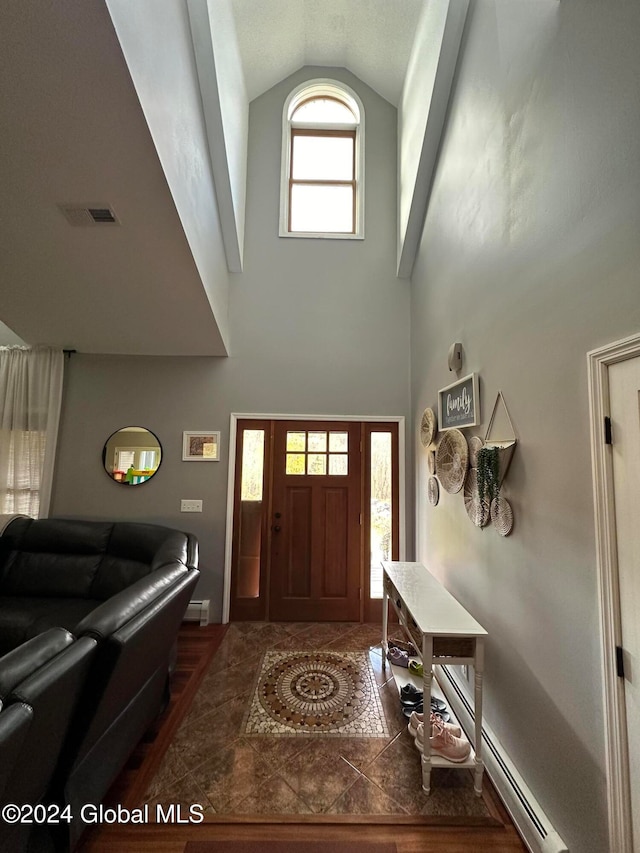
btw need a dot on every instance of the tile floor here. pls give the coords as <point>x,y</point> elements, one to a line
<point>215,762</point>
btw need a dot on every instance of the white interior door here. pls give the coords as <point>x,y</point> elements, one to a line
<point>624,391</point>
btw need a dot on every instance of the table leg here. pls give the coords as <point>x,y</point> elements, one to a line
<point>427,677</point>
<point>385,621</point>
<point>479,670</point>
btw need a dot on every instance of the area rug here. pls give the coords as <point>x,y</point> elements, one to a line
<point>289,847</point>
<point>327,693</point>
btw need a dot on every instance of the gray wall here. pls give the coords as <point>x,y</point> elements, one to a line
<point>316,327</point>
<point>530,258</point>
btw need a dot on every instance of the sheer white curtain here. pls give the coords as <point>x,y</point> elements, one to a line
<point>30,399</point>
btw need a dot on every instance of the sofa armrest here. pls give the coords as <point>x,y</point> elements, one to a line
<point>20,663</point>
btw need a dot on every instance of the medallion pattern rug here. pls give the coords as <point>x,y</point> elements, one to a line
<point>304,693</point>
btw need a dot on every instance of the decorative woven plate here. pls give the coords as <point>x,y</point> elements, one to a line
<point>475,446</point>
<point>502,515</point>
<point>428,427</point>
<point>477,510</point>
<point>433,491</point>
<point>431,462</point>
<point>452,460</point>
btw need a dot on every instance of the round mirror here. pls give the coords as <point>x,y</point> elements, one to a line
<point>132,455</point>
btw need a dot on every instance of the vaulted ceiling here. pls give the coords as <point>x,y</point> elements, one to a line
<point>75,132</point>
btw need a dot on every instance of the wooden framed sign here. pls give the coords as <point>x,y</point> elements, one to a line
<point>459,404</point>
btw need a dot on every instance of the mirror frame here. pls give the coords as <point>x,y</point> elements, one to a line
<point>104,456</point>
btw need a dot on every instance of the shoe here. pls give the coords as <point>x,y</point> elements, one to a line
<point>415,667</point>
<point>442,742</point>
<point>410,693</point>
<point>437,704</point>
<point>410,710</point>
<point>404,646</point>
<point>414,721</point>
<point>398,657</point>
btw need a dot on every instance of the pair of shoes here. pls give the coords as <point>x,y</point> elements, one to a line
<point>410,710</point>
<point>410,693</point>
<point>416,668</point>
<point>398,657</point>
<point>416,719</point>
<point>443,742</point>
<point>404,646</point>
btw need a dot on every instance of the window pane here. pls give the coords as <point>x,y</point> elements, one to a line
<point>322,158</point>
<point>318,442</point>
<point>316,463</point>
<point>338,442</point>
<point>252,465</point>
<point>296,441</point>
<point>322,209</point>
<point>295,463</point>
<point>338,464</point>
<point>324,110</point>
<point>381,504</point>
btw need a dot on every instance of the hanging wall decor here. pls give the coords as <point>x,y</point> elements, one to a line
<point>431,462</point>
<point>475,445</point>
<point>506,446</point>
<point>502,516</point>
<point>428,427</point>
<point>452,460</point>
<point>433,491</point>
<point>459,404</point>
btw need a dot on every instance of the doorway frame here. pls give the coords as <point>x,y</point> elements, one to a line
<point>616,745</point>
<point>233,434</point>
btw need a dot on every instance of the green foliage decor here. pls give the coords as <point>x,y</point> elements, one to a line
<point>488,473</point>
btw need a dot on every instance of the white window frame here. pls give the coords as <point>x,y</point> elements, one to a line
<point>314,89</point>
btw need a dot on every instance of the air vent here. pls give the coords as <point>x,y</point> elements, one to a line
<point>89,214</point>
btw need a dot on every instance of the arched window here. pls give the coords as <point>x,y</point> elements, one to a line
<point>322,187</point>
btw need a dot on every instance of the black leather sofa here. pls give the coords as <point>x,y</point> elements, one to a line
<point>124,586</point>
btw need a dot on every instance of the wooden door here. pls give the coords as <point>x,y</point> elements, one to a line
<point>316,541</point>
<point>624,389</point>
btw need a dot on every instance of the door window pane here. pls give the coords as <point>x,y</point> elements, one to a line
<point>317,463</point>
<point>338,442</point>
<point>296,441</point>
<point>338,464</point>
<point>295,463</point>
<point>381,508</point>
<point>318,442</point>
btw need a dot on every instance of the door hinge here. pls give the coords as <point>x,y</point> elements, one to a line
<point>360,518</point>
<point>619,662</point>
<point>607,430</point>
<point>360,593</point>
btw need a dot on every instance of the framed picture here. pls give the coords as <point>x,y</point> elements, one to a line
<point>201,446</point>
<point>459,404</point>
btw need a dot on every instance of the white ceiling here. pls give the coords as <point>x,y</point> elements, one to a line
<point>74,131</point>
<point>372,38</point>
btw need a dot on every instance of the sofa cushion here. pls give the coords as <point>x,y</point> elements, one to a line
<point>23,618</point>
<point>135,550</point>
<point>53,557</point>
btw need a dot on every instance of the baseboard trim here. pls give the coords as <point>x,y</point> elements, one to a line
<point>198,611</point>
<point>525,811</point>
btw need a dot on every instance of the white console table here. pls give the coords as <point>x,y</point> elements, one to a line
<point>443,632</point>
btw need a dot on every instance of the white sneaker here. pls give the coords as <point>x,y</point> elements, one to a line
<point>449,746</point>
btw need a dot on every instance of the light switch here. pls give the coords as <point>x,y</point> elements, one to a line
<point>190,506</point>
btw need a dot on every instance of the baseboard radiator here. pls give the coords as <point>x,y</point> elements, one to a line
<point>526,813</point>
<point>198,611</point>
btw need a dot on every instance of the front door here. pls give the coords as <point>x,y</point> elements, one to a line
<point>316,523</point>
<point>624,390</point>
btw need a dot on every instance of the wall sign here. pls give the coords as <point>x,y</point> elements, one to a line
<point>459,404</point>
